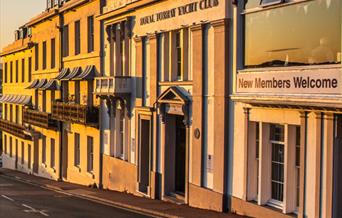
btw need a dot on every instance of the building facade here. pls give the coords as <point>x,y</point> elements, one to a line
<point>52,64</point>
<point>287,122</point>
<point>161,60</point>
<point>135,96</point>
<point>18,150</point>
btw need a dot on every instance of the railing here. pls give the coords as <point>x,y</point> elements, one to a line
<point>40,119</point>
<point>75,113</point>
<point>113,85</point>
<point>14,129</point>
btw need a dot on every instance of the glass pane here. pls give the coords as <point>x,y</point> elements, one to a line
<point>301,34</point>
<point>277,133</point>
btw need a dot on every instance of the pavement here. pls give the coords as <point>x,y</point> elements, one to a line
<point>70,200</point>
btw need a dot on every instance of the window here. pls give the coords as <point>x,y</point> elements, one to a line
<point>36,57</point>
<point>90,152</point>
<point>121,134</point>
<point>278,156</point>
<point>319,41</point>
<point>297,164</point>
<point>66,41</point>
<point>23,70</point>
<point>77,92</point>
<point>77,37</point>
<point>11,146</point>
<point>17,114</point>
<point>77,150</point>
<point>16,71</point>
<point>5,144</point>
<point>44,55</point>
<point>44,100</point>
<point>11,72</point>
<point>179,55</point>
<point>122,48</point>
<point>120,131</point>
<point>44,149</point>
<point>257,155</point>
<point>52,153</point>
<point>22,153</point>
<point>90,33</point>
<point>6,111</point>
<point>11,113</point>
<point>30,69</point>
<point>144,69</point>
<point>6,73</point>
<point>29,156</point>
<point>53,53</point>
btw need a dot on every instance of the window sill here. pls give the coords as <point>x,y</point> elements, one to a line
<point>275,204</point>
<point>77,169</point>
<point>91,174</point>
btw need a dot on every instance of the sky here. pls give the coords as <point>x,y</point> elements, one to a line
<point>15,13</point>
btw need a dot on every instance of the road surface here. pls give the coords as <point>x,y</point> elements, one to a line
<point>21,200</point>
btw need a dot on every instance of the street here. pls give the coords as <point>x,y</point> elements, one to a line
<point>18,200</point>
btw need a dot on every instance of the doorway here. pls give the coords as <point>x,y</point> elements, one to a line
<point>337,169</point>
<point>36,155</point>
<point>64,153</point>
<point>144,155</point>
<point>16,154</point>
<point>180,155</point>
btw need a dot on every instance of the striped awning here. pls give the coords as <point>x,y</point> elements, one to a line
<point>33,84</point>
<point>74,73</point>
<point>41,83</point>
<point>16,99</point>
<point>64,72</point>
<point>50,85</point>
<point>88,74</point>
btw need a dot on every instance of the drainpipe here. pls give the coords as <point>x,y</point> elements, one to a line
<point>60,124</point>
<point>102,67</point>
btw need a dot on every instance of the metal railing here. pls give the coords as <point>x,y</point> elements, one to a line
<point>13,128</point>
<point>38,118</point>
<point>74,113</point>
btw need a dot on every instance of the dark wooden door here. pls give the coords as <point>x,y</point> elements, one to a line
<point>180,155</point>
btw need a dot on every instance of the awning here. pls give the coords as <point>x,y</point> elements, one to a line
<point>64,72</point>
<point>74,73</point>
<point>33,84</point>
<point>16,99</point>
<point>50,85</point>
<point>41,83</point>
<point>88,74</point>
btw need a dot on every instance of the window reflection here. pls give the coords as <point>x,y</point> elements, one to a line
<point>300,34</point>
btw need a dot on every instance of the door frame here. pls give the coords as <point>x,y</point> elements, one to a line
<point>145,114</point>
